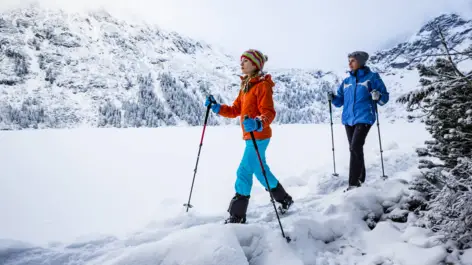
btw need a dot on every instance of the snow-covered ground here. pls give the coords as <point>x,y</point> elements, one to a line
<point>114,196</point>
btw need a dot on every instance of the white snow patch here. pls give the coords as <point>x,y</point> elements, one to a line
<point>114,196</point>
<point>467,257</point>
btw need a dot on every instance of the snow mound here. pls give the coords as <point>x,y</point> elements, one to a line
<point>206,244</point>
<point>338,228</point>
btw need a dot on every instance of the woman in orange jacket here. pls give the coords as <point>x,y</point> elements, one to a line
<point>255,101</point>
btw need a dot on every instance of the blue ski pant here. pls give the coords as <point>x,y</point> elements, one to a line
<point>250,165</point>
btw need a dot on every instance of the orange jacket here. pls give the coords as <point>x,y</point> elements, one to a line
<point>256,102</point>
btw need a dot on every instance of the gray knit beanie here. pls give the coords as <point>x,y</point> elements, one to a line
<point>360,56</point>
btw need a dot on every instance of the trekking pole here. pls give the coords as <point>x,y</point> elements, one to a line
<point>267,183</point>
<point>188,205</point>
<point>332,137</point>
<point>380,141</point>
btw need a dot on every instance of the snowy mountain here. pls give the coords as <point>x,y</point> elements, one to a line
<point>63,70</point>
<point>60,70</point>
<point>398,64</point>
<point>421,46</point>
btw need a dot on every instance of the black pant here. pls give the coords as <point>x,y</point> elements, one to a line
<point>356,136</point>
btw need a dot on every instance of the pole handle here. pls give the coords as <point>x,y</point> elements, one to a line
<point>212,99</point>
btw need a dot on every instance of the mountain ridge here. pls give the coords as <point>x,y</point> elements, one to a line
<point>67,70</point>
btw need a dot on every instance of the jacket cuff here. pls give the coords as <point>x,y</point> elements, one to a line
<point>260,126</point>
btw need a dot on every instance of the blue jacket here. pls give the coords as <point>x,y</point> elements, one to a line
<point>354,94</point>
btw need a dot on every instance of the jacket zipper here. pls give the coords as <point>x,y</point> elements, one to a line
<point>355,91</point>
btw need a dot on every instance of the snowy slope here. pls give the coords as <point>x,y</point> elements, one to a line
<point>60,70</point>
<point>111,196</point>
<point>71,64</point>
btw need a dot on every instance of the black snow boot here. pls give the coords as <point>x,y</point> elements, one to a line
<point>282,197</point>
<point>350,188</point>
<point>237,209</point>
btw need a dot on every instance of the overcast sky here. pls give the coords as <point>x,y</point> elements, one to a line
<point>295,33</point>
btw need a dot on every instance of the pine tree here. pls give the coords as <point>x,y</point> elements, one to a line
<point>445,184</point>
<point>181,101</point>
<point>109,115</point>
<point>149,110</point>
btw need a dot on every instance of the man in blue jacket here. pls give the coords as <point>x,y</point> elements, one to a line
<point>358,93</point>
